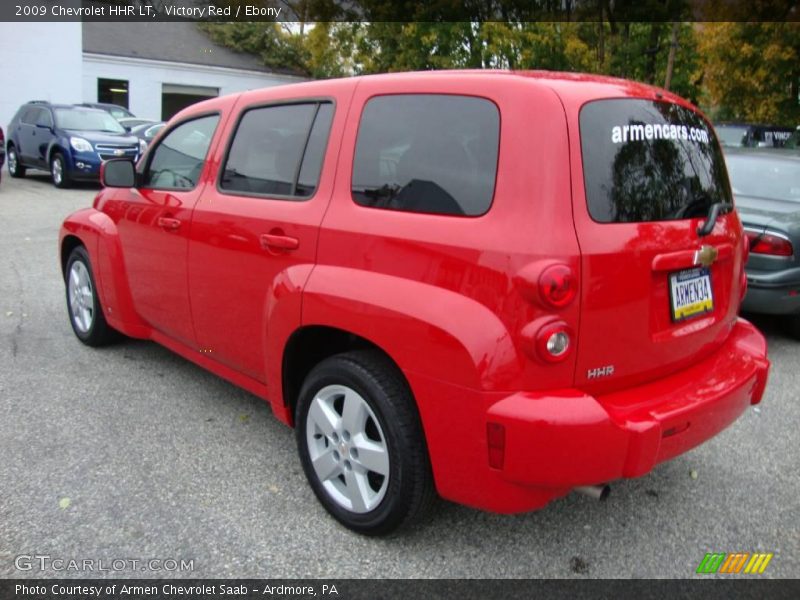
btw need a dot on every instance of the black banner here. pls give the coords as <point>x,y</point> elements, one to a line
<point>309,11</point>
<point>350,589</point>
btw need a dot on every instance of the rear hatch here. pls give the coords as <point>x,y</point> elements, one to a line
<point>656,295</point>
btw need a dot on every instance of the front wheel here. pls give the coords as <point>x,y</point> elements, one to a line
<point>361,443</point>
<point>85,313</point>
<point>58,171</point>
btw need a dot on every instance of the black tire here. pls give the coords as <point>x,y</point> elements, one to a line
<point>408,491</point>
<point>793,325</point>
<point>15,168</point>
<point>93,331</point>
<point>58,171</point>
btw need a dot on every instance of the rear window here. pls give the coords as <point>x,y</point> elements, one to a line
<point>765,177</point>
<point>649,161</point>
<point>427,153</point>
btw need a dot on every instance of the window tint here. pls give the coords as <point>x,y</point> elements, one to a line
<point>649,161</point>
<point>315,151</point>
<point>43,118</point>
<point>178,160</point>
<point>270,144</point>
<point>427,153</point>
<point>29,115</point>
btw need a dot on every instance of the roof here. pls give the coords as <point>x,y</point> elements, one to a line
<point>174,41</point>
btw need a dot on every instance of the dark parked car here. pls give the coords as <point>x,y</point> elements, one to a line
<point>794,141</point>
<point>146,132</point>
<point>116,111</point>
<point>748,135</point>
<point>766,186</point>
<point>69,141</point>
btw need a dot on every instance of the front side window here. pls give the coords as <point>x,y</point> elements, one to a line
<point>178,160</point>
<point>649,161</point>
<point>427,153</point>
<point>278,150</point>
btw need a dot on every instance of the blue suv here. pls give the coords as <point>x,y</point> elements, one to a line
<point>69,141</point>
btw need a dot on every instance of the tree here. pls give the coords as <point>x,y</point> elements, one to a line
<point>751,71</point>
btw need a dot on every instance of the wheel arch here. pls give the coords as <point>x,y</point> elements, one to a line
<point>308,346</point>
<point>424,328</point>
<point>98,234</point>
<point>58,147</point>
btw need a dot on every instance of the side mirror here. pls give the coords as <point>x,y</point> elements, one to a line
<point>118,173</point>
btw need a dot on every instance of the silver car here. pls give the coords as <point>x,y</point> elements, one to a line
<point>766,189</point>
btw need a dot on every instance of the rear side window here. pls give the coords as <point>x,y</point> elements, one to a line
<point>427,153</point>
<point>29,115</point>
<point>649,161</point>
<point>278,150</point>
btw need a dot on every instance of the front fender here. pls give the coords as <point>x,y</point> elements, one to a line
<point>98,233</point>
<point>426,329</point>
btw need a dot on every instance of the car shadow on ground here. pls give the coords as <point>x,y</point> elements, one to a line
<point>43,177</point>
<point>770,325</point>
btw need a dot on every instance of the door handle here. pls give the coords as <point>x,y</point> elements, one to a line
<point>272,241</point>
<point>168,223</point>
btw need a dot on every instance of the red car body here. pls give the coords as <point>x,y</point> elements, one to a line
<point>256,291</point>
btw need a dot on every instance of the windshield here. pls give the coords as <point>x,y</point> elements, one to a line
<point>649,161</point>
<point>87,120</point>
<point>765,177</point>
<point>731,136</point>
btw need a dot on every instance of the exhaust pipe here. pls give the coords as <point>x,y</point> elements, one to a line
<point>598,492</point>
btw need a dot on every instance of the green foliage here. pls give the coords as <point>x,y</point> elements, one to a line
<point>740,70</point>
<point>277,49</point>
<point>751,71</point>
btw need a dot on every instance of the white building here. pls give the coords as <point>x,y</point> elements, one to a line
<point>153,69</point>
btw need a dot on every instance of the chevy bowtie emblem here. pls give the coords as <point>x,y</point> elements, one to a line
<point>706,256</point>
<point>119,152</point>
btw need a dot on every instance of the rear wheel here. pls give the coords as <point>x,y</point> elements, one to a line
<point>361,443</point>
<point>793,323</point>
<point>58,171</point>
<point>15,169</point>
<point>85,313</point>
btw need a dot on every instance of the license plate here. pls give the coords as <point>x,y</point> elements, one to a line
<point>690,293</point>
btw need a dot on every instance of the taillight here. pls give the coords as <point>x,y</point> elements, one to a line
<point>558,285</point>
<point>769,244</point>
<point>554,342</point>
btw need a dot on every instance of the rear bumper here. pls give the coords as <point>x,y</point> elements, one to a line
<point>554,441</point>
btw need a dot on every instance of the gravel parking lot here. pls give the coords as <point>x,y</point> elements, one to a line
<point>133,452</point>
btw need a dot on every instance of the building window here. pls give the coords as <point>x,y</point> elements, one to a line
<point>113,91</point>
<point>176,97</point>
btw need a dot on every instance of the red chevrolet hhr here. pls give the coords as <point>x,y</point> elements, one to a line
<point>495,287</point>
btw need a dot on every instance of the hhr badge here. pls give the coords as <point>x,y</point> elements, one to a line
<point>706,256</point>
<point>599,372</point>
